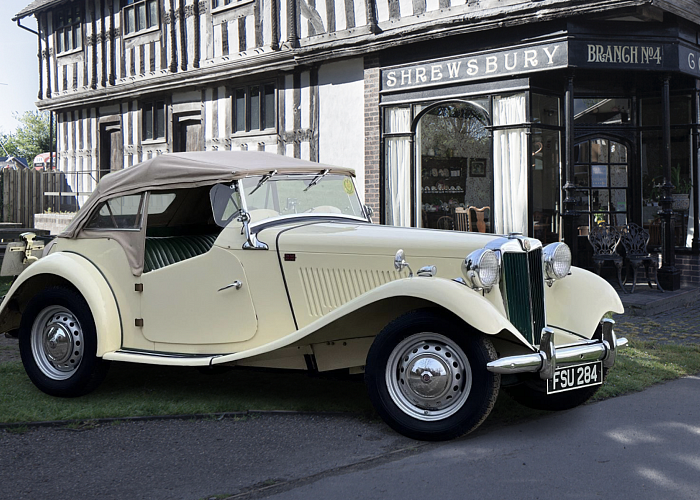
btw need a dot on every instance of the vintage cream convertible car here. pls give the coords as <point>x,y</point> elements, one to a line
<point>255,259</point>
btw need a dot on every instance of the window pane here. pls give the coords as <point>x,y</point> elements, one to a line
<point>148,122</point>
<point>509,110</point>
<point>599,151</point>
<point>141,17</point>
<point>240,110</point>
<point>130,20</point>
<point>581,152</point>
<point>618,175</point>
<point>152,13</point>
<point>545,109</point>
<point>600,200</point>
<point>160,119</point>
<point>59,41</point>
<point>118,213</point>
<point>269,116</point>
<point>77,37</point>
<point>599,176</point>
<point>255,108</point>
<point>619,200</point>
<point>69,39</point>
<point>602,111</point>
<point>159,202</point>
<point>581,175</point>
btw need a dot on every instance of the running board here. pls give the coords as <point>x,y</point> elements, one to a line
<point>157,358</point>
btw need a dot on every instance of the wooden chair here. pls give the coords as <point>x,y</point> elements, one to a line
<point>477,218</point>
<point>635,239</point>
<point>461,219</point>
<point>604,240</point>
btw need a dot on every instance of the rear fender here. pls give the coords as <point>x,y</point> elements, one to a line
<point>73,270</point>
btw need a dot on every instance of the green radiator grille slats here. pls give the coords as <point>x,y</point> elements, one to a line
<point>524,292</point>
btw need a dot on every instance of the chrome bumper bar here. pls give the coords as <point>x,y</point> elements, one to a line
<point>549,357</point>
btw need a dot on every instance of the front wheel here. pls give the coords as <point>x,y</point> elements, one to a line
<point>426,376</point>
<point>58,344</point>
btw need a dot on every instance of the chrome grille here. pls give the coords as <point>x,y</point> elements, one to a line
<point>522,284</point>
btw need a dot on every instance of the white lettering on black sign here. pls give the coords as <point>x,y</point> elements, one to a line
<point>624,54</point>
<point>539,58</point>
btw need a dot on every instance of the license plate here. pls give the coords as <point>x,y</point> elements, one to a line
<point>575,377</point>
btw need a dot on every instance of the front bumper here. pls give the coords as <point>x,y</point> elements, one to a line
<point>549,357</point>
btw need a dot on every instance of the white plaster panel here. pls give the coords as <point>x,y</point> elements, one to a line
<point>266,16</point>
<point>360,13</point>
<point>341,21</point>
<point>431,5</point>
<point>322,12</point>
<point>289,150</point>
<point>208,110</point>
<point>382,10</point>
<point>271,147</point>
<point>250,32</point>
<point>406,8</point>
<point>223,109</point>
<point>283,21</point>
<point>305,99</point>
<point>288,103</point>
<point>455,3</point>
<point>305,151</point>
<point>217,40</point>
<point>341,116</point>
<point>233,47</point>
<point>303,27</point>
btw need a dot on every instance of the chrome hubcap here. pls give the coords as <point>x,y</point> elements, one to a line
<point>57,342</point>
<point>428,376</point>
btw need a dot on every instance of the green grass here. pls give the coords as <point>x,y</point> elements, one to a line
<point>5,283</point>
<point>142,390</point>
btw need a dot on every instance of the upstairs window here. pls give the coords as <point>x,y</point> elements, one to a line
<point>254,108</point>
<point>153,120</point>
<point>68,28</point>
<point>139,15</point>
<point>215,4</point>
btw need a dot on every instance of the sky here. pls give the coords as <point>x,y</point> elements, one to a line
<point>19,78</point>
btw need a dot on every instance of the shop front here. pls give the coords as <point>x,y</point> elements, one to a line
<point>548,138</point>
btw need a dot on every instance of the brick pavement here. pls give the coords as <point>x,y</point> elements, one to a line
<point>675,326</point>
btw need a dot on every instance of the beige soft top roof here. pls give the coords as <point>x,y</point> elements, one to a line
<point>193,169</point>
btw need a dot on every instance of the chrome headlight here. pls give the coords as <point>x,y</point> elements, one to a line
<point>481,269</point>
<point>557,260</point>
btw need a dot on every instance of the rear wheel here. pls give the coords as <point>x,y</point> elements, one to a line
<point>426,376</point>
<point>58,344</point>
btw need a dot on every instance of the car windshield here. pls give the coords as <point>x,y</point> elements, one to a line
<point>272,196</point>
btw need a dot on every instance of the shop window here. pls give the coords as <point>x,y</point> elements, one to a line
<point>254,108</point>
<point>545,109</point>
<point>139,15</point>
<point>455,167</point>
<point>601,178</point>
<point>397,166</point>
<point>602,111</point>
<point>544,179</point>
<point>153,120</point>
<point>68,28</point>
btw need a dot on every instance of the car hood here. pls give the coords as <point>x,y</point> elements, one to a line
<point>372,239</point>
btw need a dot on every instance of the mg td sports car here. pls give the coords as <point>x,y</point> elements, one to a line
<point>254,259</point>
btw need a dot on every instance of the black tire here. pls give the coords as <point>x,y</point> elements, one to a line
<point>65,365</point>
<point>451,399</point>
<point>532,392</point>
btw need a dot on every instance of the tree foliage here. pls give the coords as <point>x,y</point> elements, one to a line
<point>30,138</point>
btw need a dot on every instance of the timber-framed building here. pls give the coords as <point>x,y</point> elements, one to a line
<point>553,114</point>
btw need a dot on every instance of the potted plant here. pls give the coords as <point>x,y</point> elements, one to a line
<point>682,187</point>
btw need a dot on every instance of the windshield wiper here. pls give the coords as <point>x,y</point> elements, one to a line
<point>317,179</point>
<point>263,180</point>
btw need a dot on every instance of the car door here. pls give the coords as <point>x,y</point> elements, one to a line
<point>198,301</point>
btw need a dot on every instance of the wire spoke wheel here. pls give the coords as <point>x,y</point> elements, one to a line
<point>428,376</point>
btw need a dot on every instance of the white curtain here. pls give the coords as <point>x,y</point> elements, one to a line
<point>510,166</point>
<point>398,167</point>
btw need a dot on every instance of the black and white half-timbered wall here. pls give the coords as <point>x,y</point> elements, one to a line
<point>548,116</point>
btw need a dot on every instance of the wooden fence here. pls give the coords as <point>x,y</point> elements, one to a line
<point>24,194</point>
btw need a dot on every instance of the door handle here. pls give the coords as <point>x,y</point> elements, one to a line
<point>236,284</point>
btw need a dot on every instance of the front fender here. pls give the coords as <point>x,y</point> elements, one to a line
<point>82,274</point>
<point>462,301</point>
<point>578,302</point>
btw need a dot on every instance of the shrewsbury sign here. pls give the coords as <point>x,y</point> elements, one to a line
<point>544,57</point>
<point>477,67</point>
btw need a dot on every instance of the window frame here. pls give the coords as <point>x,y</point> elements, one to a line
<point>61,27</point>
<point>153,105</point>
<point>150,23</point>
<point>263,127</point>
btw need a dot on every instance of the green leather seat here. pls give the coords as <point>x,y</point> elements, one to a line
<point>166,250</point>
